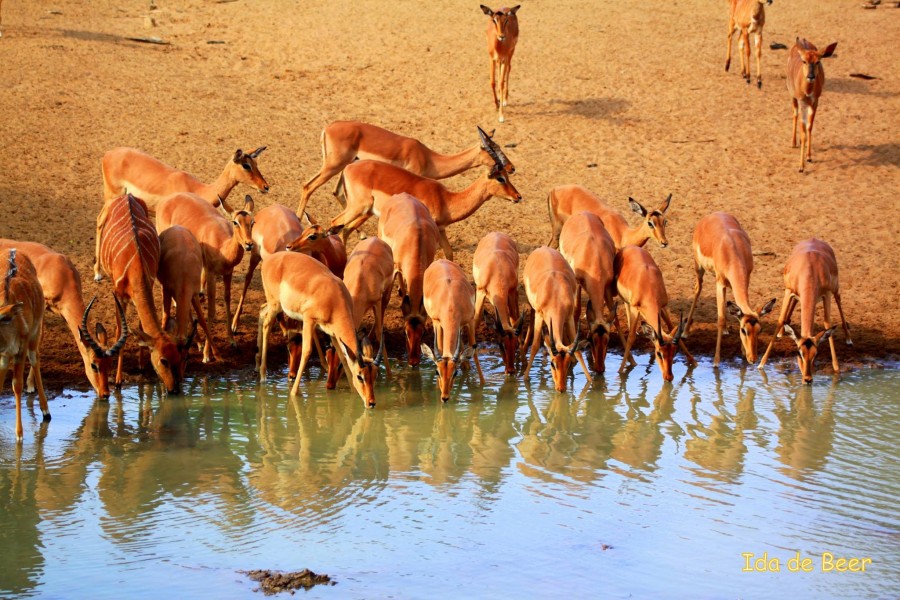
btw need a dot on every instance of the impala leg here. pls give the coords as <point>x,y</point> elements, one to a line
<point>577,315</point>
<point>758,40</point>
<point>379,327</point>
<point>17,383</point>
<point>536,332</point>
<point>786,309</point>
<point>479,306</point>
<point>327,172</point>
<point>322,359</point>
<point>745,55</point>
<point>471,329</point>
<point>255,259</point>
<point>266,321</point>
<point>119,319</point>
<point>795,112</point>
<point>809,129</point>
<point>34,358</point>
<point>728,46</point>
<point>720,320</point>
<point>494,83</point>
<point>837,300</point>
<point>210,310</point>
<point>506,81</point>
<point>226,281</point>
<point>698,270</point>
<point>198,310</point>
<point>826,309</point>
<point>445,244</point>
<point>804,140</point>
<point>309,331</point>
<point>632,334</point>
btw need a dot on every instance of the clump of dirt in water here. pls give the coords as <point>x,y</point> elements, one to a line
<point>274,582</point>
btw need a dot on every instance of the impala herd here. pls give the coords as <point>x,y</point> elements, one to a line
<point>160,223</point>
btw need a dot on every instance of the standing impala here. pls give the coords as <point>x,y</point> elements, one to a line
<point>369,183</point>
<point>550,286</point>
<point>304,289</point>
<point>495,268</point>
<point>590,251</point>
<point>222,242</point>
<point>61,284</point>
<point>810,273</point>
<point>639,283</point>
<point>129,254</point>
<point>326,248</point>
<point>722,246</point>
<point>502,35</point>
<point>407,227</point>
<point>450,302</point>
<point>805,80</point>
<point>567,200</point>
<point>128,170</point>
<point>345,141</point>
<point>746,17</point>
<point>21,324</point>
<point>180,267</point>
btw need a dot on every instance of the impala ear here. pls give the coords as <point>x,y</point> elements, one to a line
<point>486,10</point>
<point>100,334</point>
<point>513,10</point>
<point>468,353</point>
<point>142,338</point>
<point>829,50</point>
<point>334,229</point>
<point>248,203</point>
<point>665,205</point>
<point>768,307</point>
<point>649,332</point>
<point>824,335</point>
<point>582,345</point>
<point>636,207</point>
<point>426,350</point>
<point>790,331</point>
<point>238,155</point>
<point>734,309</point>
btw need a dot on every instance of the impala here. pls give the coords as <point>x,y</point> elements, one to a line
<point>810,273</point>
<point>550,287</point>
<point>274,227</point>
<point>128,170</point>
<point>746,17</point>
<point>639,283</point>
<point>325,248</point>
<point>502,35</point>
<point>407,227</point>
<point>805,80</point>
<point>129,254</point>
<point>567,200</point>
<point>305,290</point>
<point>723,247</point>
<point>450,302</point>
<point>223,244</point>
<point>590,251</point>
<point>180,267</point>
<point>345,141</point>
<point>495,268</point>
<point>21,321</point>
<point>100,359</point>
<point>61,284</point>
<point>369,183</point>
<point>369,277</point>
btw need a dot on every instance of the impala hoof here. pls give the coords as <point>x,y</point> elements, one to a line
<point>501,119</point>
<point>98,277</point>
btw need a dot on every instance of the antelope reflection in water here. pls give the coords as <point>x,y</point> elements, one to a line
<point>805,435</point>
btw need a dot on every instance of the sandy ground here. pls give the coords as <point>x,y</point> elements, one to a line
<point>626,98</point>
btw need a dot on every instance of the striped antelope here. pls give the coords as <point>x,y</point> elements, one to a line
<point>722,247</point>
<point>810,274</point>
<point>21,324</point>
<point>129,255</point>
<point>346,141</point>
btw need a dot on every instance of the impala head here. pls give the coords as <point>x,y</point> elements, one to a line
<point>242,221</point>
<point>500,186</point>
<point>414,328</point>
<point>750,326</point>
<point>599,339</point>
<point>654,221</point>
<point>184,346</point>
<point>807,349</point>
<point>448,366</point>
<point>166,358</point>
<point>244,170</point>
<point>811,57</point>
<point>493,154</point>
<point>290,329</point>
<point>664,347</point>
<point>100,361</point>
<point>562,357</point>
<point>363,367</point>
<point>310,239</point>
<point>508,340</point>
<point>500,19</point>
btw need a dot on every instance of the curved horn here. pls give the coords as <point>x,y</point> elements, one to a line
<point>458,344</point>
<point>498,324</point>
<point>257,152</point>
<point>680,330</point>
<point>85,333</point>
<point>380,356</point>
<point>489,147</point>
<point>577,339</point>
<point>190,337</point>
<point>121,341</point>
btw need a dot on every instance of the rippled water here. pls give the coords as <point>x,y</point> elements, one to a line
<point>628,488</point>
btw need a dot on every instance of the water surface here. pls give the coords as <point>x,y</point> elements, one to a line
<point>625,488</point>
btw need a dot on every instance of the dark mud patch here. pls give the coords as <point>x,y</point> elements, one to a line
<point>274,582</point>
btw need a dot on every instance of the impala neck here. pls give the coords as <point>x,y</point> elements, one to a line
<point>232,250</point>
<point>221,187</point>
<point>740,284</point>
<point>448,165</point>
<point>142,298</point>
<point>461,205</point>
<point>631,237</point>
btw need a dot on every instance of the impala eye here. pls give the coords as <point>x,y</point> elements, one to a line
<point>246,167</point>
<point>360,377</point>
<point>650,224</point>
<point>95,368</point>
<point>659,355</point>
<point>501,180</point>
<point>744,331</point>
<point>164,362</point>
